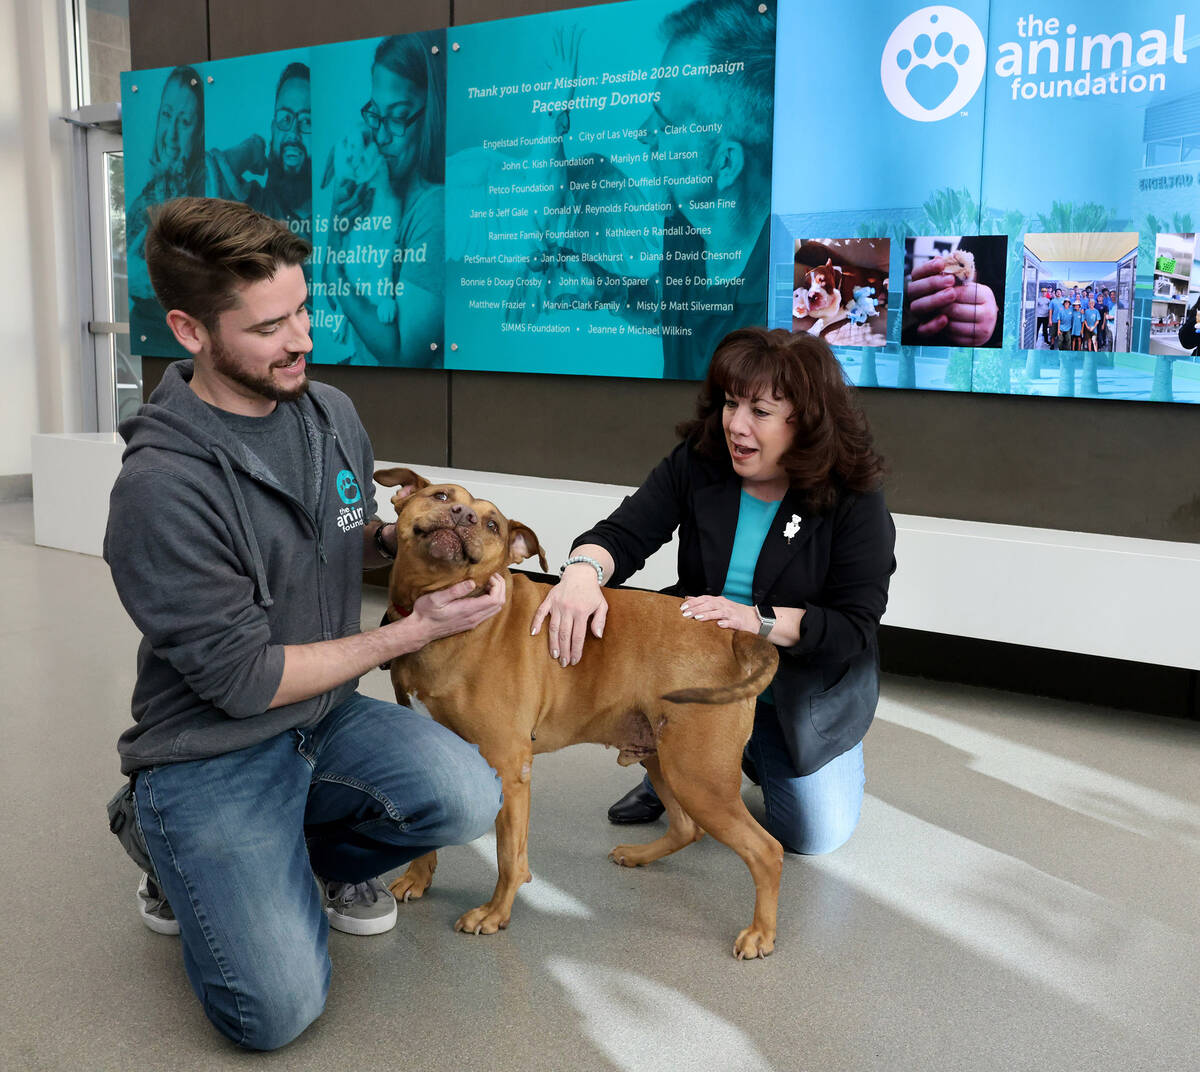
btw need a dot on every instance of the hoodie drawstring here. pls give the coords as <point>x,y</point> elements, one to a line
<point>260,575</point>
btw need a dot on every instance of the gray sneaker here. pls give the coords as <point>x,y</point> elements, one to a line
<point>153,907</point>
<point>358,907</point>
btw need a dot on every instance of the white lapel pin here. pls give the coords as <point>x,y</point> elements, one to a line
<point>792,527</point>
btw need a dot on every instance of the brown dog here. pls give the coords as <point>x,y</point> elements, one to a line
<point>677,696</point>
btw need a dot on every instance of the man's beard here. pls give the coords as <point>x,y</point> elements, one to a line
<point>224,362</point>
<point>293,188</point>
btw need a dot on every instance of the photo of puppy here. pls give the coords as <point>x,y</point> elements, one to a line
<point>841,290</point>
<point>823,300</point>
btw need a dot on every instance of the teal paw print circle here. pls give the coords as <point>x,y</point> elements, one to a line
<point>347,487</point>
<point>933,63</point>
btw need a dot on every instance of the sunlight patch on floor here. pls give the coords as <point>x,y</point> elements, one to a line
<point>1083,789</point>
<point>643,1026</point>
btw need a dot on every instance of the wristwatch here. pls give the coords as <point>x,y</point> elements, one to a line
<point>766,618</point>
<point>381,547</point>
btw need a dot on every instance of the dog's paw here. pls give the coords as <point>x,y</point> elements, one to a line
<point>630,856</point>
<point>410,887</point>
<point>753,943</point>
<point>482,920</point>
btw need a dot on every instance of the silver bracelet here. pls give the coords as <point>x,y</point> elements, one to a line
<point>585,559</point>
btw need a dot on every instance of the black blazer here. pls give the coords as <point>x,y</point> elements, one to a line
<point>836,567</point>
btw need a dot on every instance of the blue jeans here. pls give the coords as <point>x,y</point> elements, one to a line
<point>235,840</point>
<point>809,814</point>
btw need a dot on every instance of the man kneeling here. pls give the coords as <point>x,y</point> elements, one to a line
<point>269,793</point>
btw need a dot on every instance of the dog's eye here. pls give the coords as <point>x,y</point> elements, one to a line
<point>441,496</point>
<point>493,526</point>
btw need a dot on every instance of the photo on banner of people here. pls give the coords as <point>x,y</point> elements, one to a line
<point>378,192</point>
<point>608,187</point>
<point>163,117</point>
<point>1081,314</point>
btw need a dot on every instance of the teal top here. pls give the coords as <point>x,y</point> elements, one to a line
<point>754,519</point>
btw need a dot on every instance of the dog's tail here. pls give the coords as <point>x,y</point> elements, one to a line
<point>757,657</point>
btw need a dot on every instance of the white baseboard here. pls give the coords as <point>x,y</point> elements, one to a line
<point>1066,591</point>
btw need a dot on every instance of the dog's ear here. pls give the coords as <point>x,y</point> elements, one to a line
<point>837,275</point>
<point>404,479</point>
<point>523,543</point>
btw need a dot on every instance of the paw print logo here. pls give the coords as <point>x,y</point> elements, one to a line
<point>933,63</point>
<point>347,487</point>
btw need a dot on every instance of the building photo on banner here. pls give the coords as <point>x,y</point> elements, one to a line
<point>1035,175</point>
<point>993,200</point>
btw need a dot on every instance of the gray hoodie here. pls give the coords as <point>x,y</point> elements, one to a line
<point>219,567</point>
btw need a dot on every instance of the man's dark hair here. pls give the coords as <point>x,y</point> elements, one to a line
<point>293,70</point>
<point>200,250</point>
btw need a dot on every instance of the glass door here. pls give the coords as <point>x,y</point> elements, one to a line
<point>118,374</point>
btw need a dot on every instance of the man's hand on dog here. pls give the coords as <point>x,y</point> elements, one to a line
<point>455,610</point>
<point>965,312</point>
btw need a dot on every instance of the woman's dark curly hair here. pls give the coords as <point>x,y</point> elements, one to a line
<point>832,449</point>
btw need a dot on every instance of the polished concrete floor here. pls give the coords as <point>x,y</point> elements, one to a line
<point>1023,892</point>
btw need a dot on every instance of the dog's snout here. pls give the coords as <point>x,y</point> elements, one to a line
<point>463,515</point>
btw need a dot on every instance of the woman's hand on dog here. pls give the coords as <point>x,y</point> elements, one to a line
<point>730,615</point>
<point>725,612</point>
<point>455,610</point>
<point>576,599</point>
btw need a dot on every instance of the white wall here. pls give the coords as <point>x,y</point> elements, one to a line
<point>40,317</point>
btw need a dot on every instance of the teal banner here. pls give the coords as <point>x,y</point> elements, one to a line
<point>608,187</point>
<point>1005,200</point>
<point>582,192</point>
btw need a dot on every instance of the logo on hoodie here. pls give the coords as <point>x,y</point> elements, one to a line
<point>347,487</point>
<point>350,517</point>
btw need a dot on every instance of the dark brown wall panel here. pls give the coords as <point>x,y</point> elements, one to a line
<point>244,27</point>
<point>466,11</point>
<point>404,410</point>
<point>1075,464</point>
<point>568,427</point>
<point>164,33</point>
